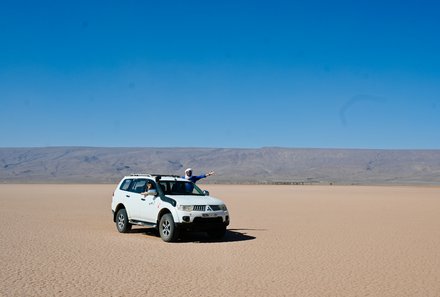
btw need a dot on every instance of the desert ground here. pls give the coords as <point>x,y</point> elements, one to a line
<point>60,240</point>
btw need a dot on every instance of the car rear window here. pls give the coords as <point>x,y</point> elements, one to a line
<point>125,184</point>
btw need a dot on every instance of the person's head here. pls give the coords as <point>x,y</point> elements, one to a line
<point>149,185</point>
<point>188,172</point>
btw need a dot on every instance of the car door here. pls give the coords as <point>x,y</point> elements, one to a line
<point>136,199</point>
<point>149,211</point>
<point>144,206</point>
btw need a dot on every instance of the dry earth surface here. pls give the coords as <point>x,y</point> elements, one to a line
<point>59,240</point>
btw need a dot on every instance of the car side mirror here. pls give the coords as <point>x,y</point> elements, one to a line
<point>206,192</point>
<point>152,192</point>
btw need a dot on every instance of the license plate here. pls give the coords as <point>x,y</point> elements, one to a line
<point>209,215</point>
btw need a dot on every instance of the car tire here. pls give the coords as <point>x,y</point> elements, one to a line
<point>122,223</point>
<point>167,229</point>
<point>217,233</point>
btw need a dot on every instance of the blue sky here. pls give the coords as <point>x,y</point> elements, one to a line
<point>321,74</point>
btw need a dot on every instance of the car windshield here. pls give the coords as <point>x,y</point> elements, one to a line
<point>176,187</point>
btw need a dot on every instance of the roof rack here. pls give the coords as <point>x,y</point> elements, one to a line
<point>139,174</point>
<point>153,174</point>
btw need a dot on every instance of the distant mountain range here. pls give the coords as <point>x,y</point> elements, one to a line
<point>263,165</point>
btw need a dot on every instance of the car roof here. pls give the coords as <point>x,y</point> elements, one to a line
<point>153,176</point>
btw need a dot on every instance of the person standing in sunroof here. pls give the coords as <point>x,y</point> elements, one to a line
<point>194,178</point>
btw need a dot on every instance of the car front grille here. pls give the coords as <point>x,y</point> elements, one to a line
<point>199,208</point>
<point>215,207</point>
<point>206,208</point>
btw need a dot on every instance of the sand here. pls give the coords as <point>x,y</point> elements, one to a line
<point>60,240</point>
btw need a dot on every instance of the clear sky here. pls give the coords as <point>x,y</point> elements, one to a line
<point>240,74</point>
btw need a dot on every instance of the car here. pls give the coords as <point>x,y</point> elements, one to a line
<point>169,203</point>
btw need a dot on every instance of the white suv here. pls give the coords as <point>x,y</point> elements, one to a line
<point>169,203</point>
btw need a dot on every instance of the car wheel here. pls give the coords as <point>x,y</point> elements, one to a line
<point>217,233</point>
<point>122,223</point>
<point>167,228</point>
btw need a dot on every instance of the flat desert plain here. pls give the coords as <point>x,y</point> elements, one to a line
<point>60,240</point>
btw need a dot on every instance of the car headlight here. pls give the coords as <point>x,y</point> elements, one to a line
<point>186,207</point>
<point>223,207</point>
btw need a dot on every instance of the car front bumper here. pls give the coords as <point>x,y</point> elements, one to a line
<point>202,221</point>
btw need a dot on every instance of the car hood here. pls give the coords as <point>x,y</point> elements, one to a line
<point>195,200</point>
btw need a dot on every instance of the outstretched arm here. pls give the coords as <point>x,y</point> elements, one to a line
<point>196,178</point>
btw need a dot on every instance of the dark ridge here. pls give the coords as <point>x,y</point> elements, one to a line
<point>269,165</point>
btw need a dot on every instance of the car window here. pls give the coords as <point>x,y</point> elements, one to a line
<point>125,184</point>
<point>138,186</point>
<point>180,188</point>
